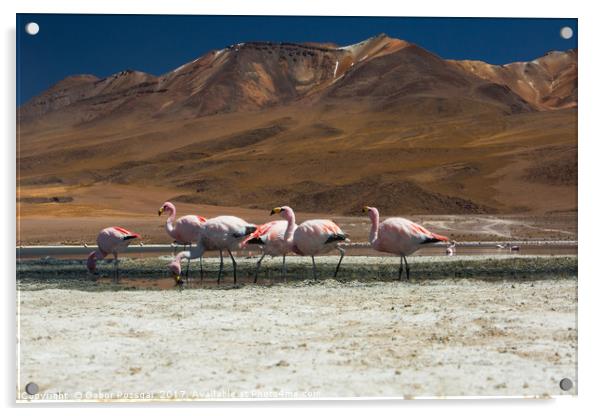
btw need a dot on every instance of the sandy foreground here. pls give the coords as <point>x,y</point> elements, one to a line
<point>444,337</point>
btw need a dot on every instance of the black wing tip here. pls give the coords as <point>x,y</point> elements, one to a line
<point>430,240</point>
<point>255,240</point>
<point>336,237</point>
<point>129,237</point>
<point>249,229</point>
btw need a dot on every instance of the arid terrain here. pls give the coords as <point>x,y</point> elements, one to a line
<point>129,206</point>
<point>471,150</point>
<point>322,128</point>
<point>302,340</point>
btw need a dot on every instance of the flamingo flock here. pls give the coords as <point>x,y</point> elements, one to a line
<point>313,237</point>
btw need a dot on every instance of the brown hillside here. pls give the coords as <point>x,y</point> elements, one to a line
<point>320,127</point>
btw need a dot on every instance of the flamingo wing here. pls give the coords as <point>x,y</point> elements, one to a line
<point>425,235</point>
<point>316,236</point>
<point>332,231</point>
<point>401,236</point>
<point>260,235</point>
<point>126,234</point>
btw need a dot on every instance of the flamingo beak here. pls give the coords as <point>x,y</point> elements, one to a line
<point>365,209</point>
<point>161,211</point>
<point>178,279</point>
<point>276,211</point>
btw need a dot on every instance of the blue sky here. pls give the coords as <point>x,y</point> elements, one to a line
<point>70,44</point>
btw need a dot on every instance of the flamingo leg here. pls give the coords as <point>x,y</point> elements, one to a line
<point>407,269</point>
<point>116,268</point>
<point>221,267</point>
<point>201,263</point>
<point>233,265</point>
<point>342,251</point>
<point>314,264</point>
<point>400,267</point>
<point>188,265</point>
<point>284,267</point>
<point>257,268</point>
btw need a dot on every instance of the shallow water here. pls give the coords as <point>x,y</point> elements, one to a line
<point>152,272</point>
<point>525,250</point>
<point>106,283</point>
<point>431,251</point>
<point>270,277</point>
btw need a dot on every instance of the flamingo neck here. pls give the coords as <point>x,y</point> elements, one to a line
<point>175,265</point>
<point>290,227</point>
<point>169,224</point>
<point>181,255</point>
<point>374,229</point>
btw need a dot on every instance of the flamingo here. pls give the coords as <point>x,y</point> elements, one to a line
<point>314,237</point>
<point>399,236</point>
<point>509,246</point>
<point>451,249</point>
<point>184,230</point>
<point>275,238</point>
<point>219,233</point>
<point>110,240</point>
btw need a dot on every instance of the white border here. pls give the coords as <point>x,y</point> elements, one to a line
<point>458,8</point>
<point>590,94</point>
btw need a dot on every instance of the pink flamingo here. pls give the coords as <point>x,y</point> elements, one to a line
<point>219,233</point>
<point>275,238</point>
<point>451,249</point>
<point>509,246</point>
<point>111,240</point>
<point>399,236</point>
<point>184,230</point>
<point>314,237</point>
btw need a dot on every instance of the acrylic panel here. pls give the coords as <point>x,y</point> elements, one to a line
<point>292,207</point>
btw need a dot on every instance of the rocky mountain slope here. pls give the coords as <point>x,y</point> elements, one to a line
<point>322,127</point>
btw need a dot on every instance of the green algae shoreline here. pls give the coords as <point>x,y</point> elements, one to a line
<point>363,268</point>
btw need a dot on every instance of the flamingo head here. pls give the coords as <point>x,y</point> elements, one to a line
<point>91,264</point>
<point>285,212</point>
<point>167,207</point>
<point>371,211</point>
<point>176,270</point>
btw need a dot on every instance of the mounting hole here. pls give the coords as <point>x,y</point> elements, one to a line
<point>31,388</point>
<point>566,32</point>
<point>32,28</point>
<point>566,384</point>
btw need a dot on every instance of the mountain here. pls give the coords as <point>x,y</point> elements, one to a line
<point>547,83</point>
<point>256,75</point>
<point>322,127</point>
